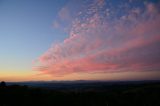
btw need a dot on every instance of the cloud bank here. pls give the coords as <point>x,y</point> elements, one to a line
<point>105,37</point>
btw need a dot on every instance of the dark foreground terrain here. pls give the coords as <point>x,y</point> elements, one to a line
<point>82,94</point>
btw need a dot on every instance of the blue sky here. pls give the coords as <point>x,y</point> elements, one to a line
<point>83,39</point>
<point>26,31</point>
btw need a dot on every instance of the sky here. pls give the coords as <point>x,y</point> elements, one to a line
<point>79,40</point>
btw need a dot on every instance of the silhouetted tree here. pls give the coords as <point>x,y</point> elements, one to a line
<point>2,84</point>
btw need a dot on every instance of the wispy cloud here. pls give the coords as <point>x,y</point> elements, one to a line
<point>106,38</point>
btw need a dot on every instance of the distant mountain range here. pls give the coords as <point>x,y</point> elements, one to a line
<point>81,84</point>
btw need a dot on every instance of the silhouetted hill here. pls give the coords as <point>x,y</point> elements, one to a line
<point>82,94</point>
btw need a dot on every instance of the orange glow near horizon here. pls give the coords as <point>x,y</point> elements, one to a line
<point>16,77</point>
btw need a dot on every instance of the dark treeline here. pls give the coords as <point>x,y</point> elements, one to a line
<point>117,95</point>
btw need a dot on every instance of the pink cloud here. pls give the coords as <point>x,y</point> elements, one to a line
<point>97,43</point>
<point>64,14</point>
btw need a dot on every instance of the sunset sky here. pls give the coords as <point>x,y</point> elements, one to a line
<point>79,40</point>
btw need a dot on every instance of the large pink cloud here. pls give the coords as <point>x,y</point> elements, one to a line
<point>101,41</point>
